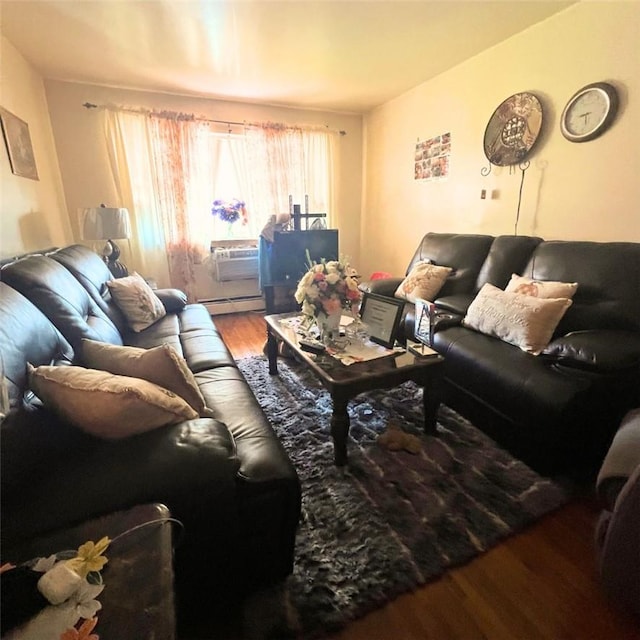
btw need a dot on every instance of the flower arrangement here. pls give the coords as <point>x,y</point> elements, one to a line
<point>70,582</point>
<point>327,288</point>
<point>231,211</point>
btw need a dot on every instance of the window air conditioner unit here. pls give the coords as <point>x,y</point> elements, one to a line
<point>236,263</point>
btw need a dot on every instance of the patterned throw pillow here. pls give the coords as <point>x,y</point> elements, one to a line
<point>137,301</point>
<point>162,365</point>
<point>424,281</point>
<point>104,405</point>
<point>522,320</point>
<point>541,288</point>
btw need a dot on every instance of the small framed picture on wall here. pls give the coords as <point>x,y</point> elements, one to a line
<point>18,142</point>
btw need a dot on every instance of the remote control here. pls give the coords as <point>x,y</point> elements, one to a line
<point>312,347</point>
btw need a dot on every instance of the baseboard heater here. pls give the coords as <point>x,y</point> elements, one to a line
<point>237,304</point>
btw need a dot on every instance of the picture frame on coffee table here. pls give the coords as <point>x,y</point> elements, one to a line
<point>425,315</point>
<point>382,316</point>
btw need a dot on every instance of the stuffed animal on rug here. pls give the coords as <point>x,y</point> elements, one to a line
<point>396,439</point>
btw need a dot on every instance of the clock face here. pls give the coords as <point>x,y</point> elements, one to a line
<point>589,112</point>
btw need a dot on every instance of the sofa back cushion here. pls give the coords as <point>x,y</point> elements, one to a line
<point>62,299</point>
<point>507,255</point>
<point>608,277</point>
<point>26,335</point>
<point>464,253</point>
<point>93,274</point>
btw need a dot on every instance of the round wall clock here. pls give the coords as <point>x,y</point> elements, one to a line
<point>513,129</point>
<point>589,112</point>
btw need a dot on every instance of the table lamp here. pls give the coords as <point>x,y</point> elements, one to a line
<point>108,223</point>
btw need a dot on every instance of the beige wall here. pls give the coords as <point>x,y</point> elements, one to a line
<point>33,211</point>
<point>587,191</point>
<point>84,163</point>
<point>571,191</point>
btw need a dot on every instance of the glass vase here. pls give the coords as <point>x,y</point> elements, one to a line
<point>328,326</point>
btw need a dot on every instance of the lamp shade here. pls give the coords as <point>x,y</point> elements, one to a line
<point>105,223</point>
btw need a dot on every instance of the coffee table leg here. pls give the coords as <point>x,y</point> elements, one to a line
<point>272,353</point>
<point>340,431</point>
<point>431,402</point>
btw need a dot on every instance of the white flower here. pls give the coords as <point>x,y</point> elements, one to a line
<point>313,293</point>
<point>308,309</point>
<point>84,599</point>
<point>45,564</point>
<point>333,277</point>
<point>332,266</point>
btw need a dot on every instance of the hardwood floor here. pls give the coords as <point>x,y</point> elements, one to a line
<point>539,584</point>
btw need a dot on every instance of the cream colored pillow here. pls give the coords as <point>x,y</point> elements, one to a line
<point>424,281</point>
<point>137,301</point>
<point>541,288</point>
<point>524,321</point>
<point>105,405</point>
<point>162,365</point>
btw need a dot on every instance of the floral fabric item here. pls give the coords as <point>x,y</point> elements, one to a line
<point>424,281</point>
<point>136,299</point>
<point>541,288</point>
<point>162,365</point>
<point>106,405</point>
<point>524,321</point>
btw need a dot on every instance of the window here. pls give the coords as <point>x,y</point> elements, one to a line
<point>170,168</point>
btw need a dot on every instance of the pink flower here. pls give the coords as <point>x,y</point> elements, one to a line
<point>83,632</point>
<point>332,305</point>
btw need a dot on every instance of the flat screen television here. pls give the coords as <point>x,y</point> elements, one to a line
<point>289,260</point>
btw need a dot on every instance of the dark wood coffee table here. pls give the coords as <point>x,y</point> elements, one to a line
<point>345,382</point>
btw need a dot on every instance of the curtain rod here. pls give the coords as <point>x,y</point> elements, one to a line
<point>191,116</point>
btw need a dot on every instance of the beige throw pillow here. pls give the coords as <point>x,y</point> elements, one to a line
<point>541,288</point>
<point>137,301</point>
<point>424,281</point>
<point>162,365</point>
<point>524,321</point>
<point>105,405</point>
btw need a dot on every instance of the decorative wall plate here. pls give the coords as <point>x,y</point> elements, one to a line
<point>513,129</point>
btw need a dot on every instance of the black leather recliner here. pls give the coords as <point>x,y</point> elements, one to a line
<point>557,411</point>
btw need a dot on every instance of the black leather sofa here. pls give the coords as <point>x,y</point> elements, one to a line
<point>559,410</point>
<point>227,478</point>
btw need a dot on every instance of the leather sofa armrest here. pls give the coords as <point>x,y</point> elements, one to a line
<point>383,286</point>
<point>173,300</point>
<point>184,466</point>
<point>603,350</point>
<point>456,304</point>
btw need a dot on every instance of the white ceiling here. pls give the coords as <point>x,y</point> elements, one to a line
<point>334,55</point>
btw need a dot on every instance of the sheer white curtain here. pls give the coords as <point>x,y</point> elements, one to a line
<point>169,170</point>
<point>293,161</point>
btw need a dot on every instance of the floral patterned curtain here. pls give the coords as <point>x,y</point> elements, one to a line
<point>163,168</point>
<point>167,170</point>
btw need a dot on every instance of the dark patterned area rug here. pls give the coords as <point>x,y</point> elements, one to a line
<point>390,521</point>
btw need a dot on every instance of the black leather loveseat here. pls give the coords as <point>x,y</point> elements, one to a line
<point>557,410</point>
<point>226,477</point>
